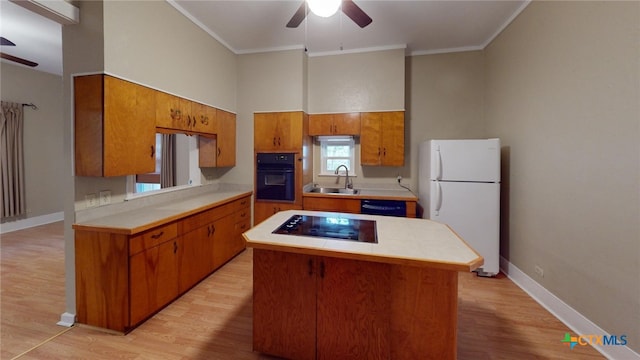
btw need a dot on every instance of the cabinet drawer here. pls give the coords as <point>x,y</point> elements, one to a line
<point>242,203</point>
<point>243,214</point>
<point>153,237</point>
<point>205,217</point>
<point>243,226</point>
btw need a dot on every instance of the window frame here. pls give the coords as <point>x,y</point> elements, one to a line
<point>324,141</point>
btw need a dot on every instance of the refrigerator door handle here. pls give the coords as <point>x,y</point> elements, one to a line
<point>438,164</point>
<point>438,198</point>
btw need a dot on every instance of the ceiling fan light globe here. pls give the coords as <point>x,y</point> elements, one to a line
<point>324,8</point>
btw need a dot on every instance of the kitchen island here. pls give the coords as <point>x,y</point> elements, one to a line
<point>323,298</point>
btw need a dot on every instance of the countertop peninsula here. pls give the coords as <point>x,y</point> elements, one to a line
<point>134,221</point>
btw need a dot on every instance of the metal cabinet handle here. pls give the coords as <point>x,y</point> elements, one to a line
<point>175,247</point>
<point>219,151</point>
<point>153,151</point>
<point>157,236</point>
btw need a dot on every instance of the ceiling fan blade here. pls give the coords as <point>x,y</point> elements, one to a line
<point>356,14</point>
<point>5,41</point>
<point>18,60</point>
<point>297,18</point>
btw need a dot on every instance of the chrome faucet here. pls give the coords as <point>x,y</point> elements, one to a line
<point>347,184</point>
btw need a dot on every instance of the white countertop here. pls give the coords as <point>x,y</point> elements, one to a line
<point>135,221</point>
<point>395,193</point>
<point>404,241</point>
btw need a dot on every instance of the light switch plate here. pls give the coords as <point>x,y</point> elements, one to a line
<point>105,197</point>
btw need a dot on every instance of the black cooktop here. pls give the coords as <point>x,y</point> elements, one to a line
<point>338,228</point>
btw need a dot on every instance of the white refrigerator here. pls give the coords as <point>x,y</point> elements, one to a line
<point>459,185</point>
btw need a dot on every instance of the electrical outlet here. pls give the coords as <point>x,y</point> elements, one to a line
<point>539,271</point>
<point>91,200</point>
<point>105,197</point>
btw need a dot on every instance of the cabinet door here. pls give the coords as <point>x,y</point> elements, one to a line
<point>289,130</point>
<point>226,139</point>
<point>199,119</point>
<point>264,131</point>
<point>196,261</point>
<point>129,128</point>
<point>346,124</point>
<point>223,240</point>
<point>154,279</point>
<point>320,124</point>
<point>207,151</point>
<point>284,304</point>
<point>353,310</point>
<point>370,139</point>
<point>393,139</point>
<point>168,111</point>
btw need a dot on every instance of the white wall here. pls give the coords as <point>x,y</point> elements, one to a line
<point>563,94</point>
<point>444,101</point>
<point>272,81</point>
<point>43,135</point>
<point>369,81</point>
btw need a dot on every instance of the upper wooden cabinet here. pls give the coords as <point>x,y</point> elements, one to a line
<point>226,138</point>
<point>382,138</point>
<point>279,131</point>
<point>202,118</point>
<point>219,151</point>
<point>176,113</point>
<point>334,124</point>
<point>114,127</point>
<point>171,111</point>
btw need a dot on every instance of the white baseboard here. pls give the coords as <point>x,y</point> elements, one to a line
<point>565,313</point>
<point>67,319</point>
<point>31,222</point>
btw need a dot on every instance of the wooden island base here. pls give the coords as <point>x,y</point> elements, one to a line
<point>318,307</point>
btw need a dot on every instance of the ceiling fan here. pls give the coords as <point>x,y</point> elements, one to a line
<point>6,42</point>
<point>349,8</point>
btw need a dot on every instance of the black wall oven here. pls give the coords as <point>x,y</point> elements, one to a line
<point>275,176</point>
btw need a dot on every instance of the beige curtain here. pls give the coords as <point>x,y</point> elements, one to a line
<point>168,158</point>
<point>12,160</point>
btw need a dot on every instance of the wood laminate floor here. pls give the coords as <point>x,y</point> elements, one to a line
<point>497,320</point>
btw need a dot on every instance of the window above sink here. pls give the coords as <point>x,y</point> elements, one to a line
<point>336,151</point>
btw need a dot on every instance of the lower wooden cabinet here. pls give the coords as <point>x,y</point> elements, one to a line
<point>263,210</point>
<point>308,307</point>
<point>319,307</point>
<point>123,279</point>
<point>331,204</point>
<point>154,278</point>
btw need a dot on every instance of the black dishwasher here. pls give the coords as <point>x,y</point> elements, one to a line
<point>384,207</point>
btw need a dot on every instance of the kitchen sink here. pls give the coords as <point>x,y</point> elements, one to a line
<point>342,191</point>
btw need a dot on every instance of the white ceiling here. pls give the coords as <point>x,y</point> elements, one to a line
<point>423,27</point>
